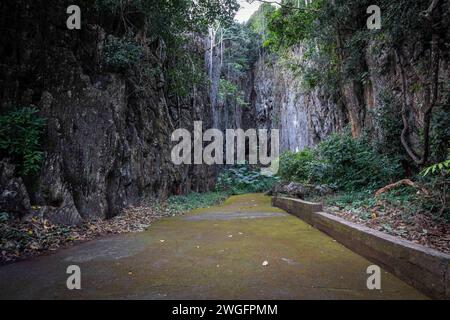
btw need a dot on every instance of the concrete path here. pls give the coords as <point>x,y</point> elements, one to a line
<point>215,253</point>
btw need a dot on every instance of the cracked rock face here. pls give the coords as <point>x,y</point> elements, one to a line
<point>14,197</point>
<point>107,151</point>
<point>304,117</point>
<point>108,141</point>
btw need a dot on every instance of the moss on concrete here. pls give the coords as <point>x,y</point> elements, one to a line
<point>212,259</point>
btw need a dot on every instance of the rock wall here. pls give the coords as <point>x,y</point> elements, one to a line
<point>107,143</point>
<point>306,116</point>
<point>280,101</point>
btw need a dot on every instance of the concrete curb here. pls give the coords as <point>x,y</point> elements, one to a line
<point>425,269</point>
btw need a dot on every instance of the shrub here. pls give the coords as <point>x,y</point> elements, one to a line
<point>442,168</point>
<point>243,179</point>
<point>296,166</point>
<point>437,176</point>
<point>352,164</point>
<point>121,54</point>
<point>20,135</point>
<point>229,90</point>
<point>341,161</point>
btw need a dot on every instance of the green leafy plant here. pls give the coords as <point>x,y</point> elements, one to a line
<point>20,139</point>
<point>4,217</point>
<point>167,19</point>
<point>353,164</point>
<point>440,130</point>
<point>185,71</point>
<point>120,54</point>
<point>288,27</point>
<point>442,168</point>
<point>341,161</point>
<point>230,91</point>
<point>243,179</point>
<point>296,166</point>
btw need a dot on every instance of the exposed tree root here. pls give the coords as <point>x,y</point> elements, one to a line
<point>404,182</point>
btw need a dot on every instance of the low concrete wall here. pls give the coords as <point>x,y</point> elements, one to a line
<point>423,268</point>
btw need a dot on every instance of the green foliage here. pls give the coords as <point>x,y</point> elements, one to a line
<point>185,71</point>
<point>412,203</point>
<point>312,78</point>
<point>296,166</point>
<point>357,202</point>
<point>121,54</point>
<point>442,168</point>
<point>162,22</point>
<point>166,19</point>
<point>241,47</point>
<point>440,129</point>
<point>258,22</point>
<point>4,217</point>
<point>20,139</point>
<point>336,33</point>
<point>243,179</point>
<point>401,20</point>
<point>288,27</point>
<point>179,204</point>
<point>437,177</point>
<point>342,161</point>
<point>229,90</point>
<point>352,164</point>
<point>404,199</point>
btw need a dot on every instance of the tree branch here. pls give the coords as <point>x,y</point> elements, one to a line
<point>431,91</point>
<point>405,131</point>
<point>429,12</point>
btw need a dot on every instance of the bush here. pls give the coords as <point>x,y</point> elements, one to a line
<point>121,54</point>
<point>296,166</point>
<point>437,177</point>
<point>20,135</point>
<point>352,164</point>
<point>243,179</point>
<point>341,161</point>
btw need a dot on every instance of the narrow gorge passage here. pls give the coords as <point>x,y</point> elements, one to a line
<point>243,249</point>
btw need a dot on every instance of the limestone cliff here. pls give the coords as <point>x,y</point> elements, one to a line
<point>107,143</point>
<point>280,101</point>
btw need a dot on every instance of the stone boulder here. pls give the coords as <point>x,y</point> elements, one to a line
<point>292,189</point>
<point>297,190</point>
<point>300,191</point>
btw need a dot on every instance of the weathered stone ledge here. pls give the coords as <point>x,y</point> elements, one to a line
<point>425,269</point>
